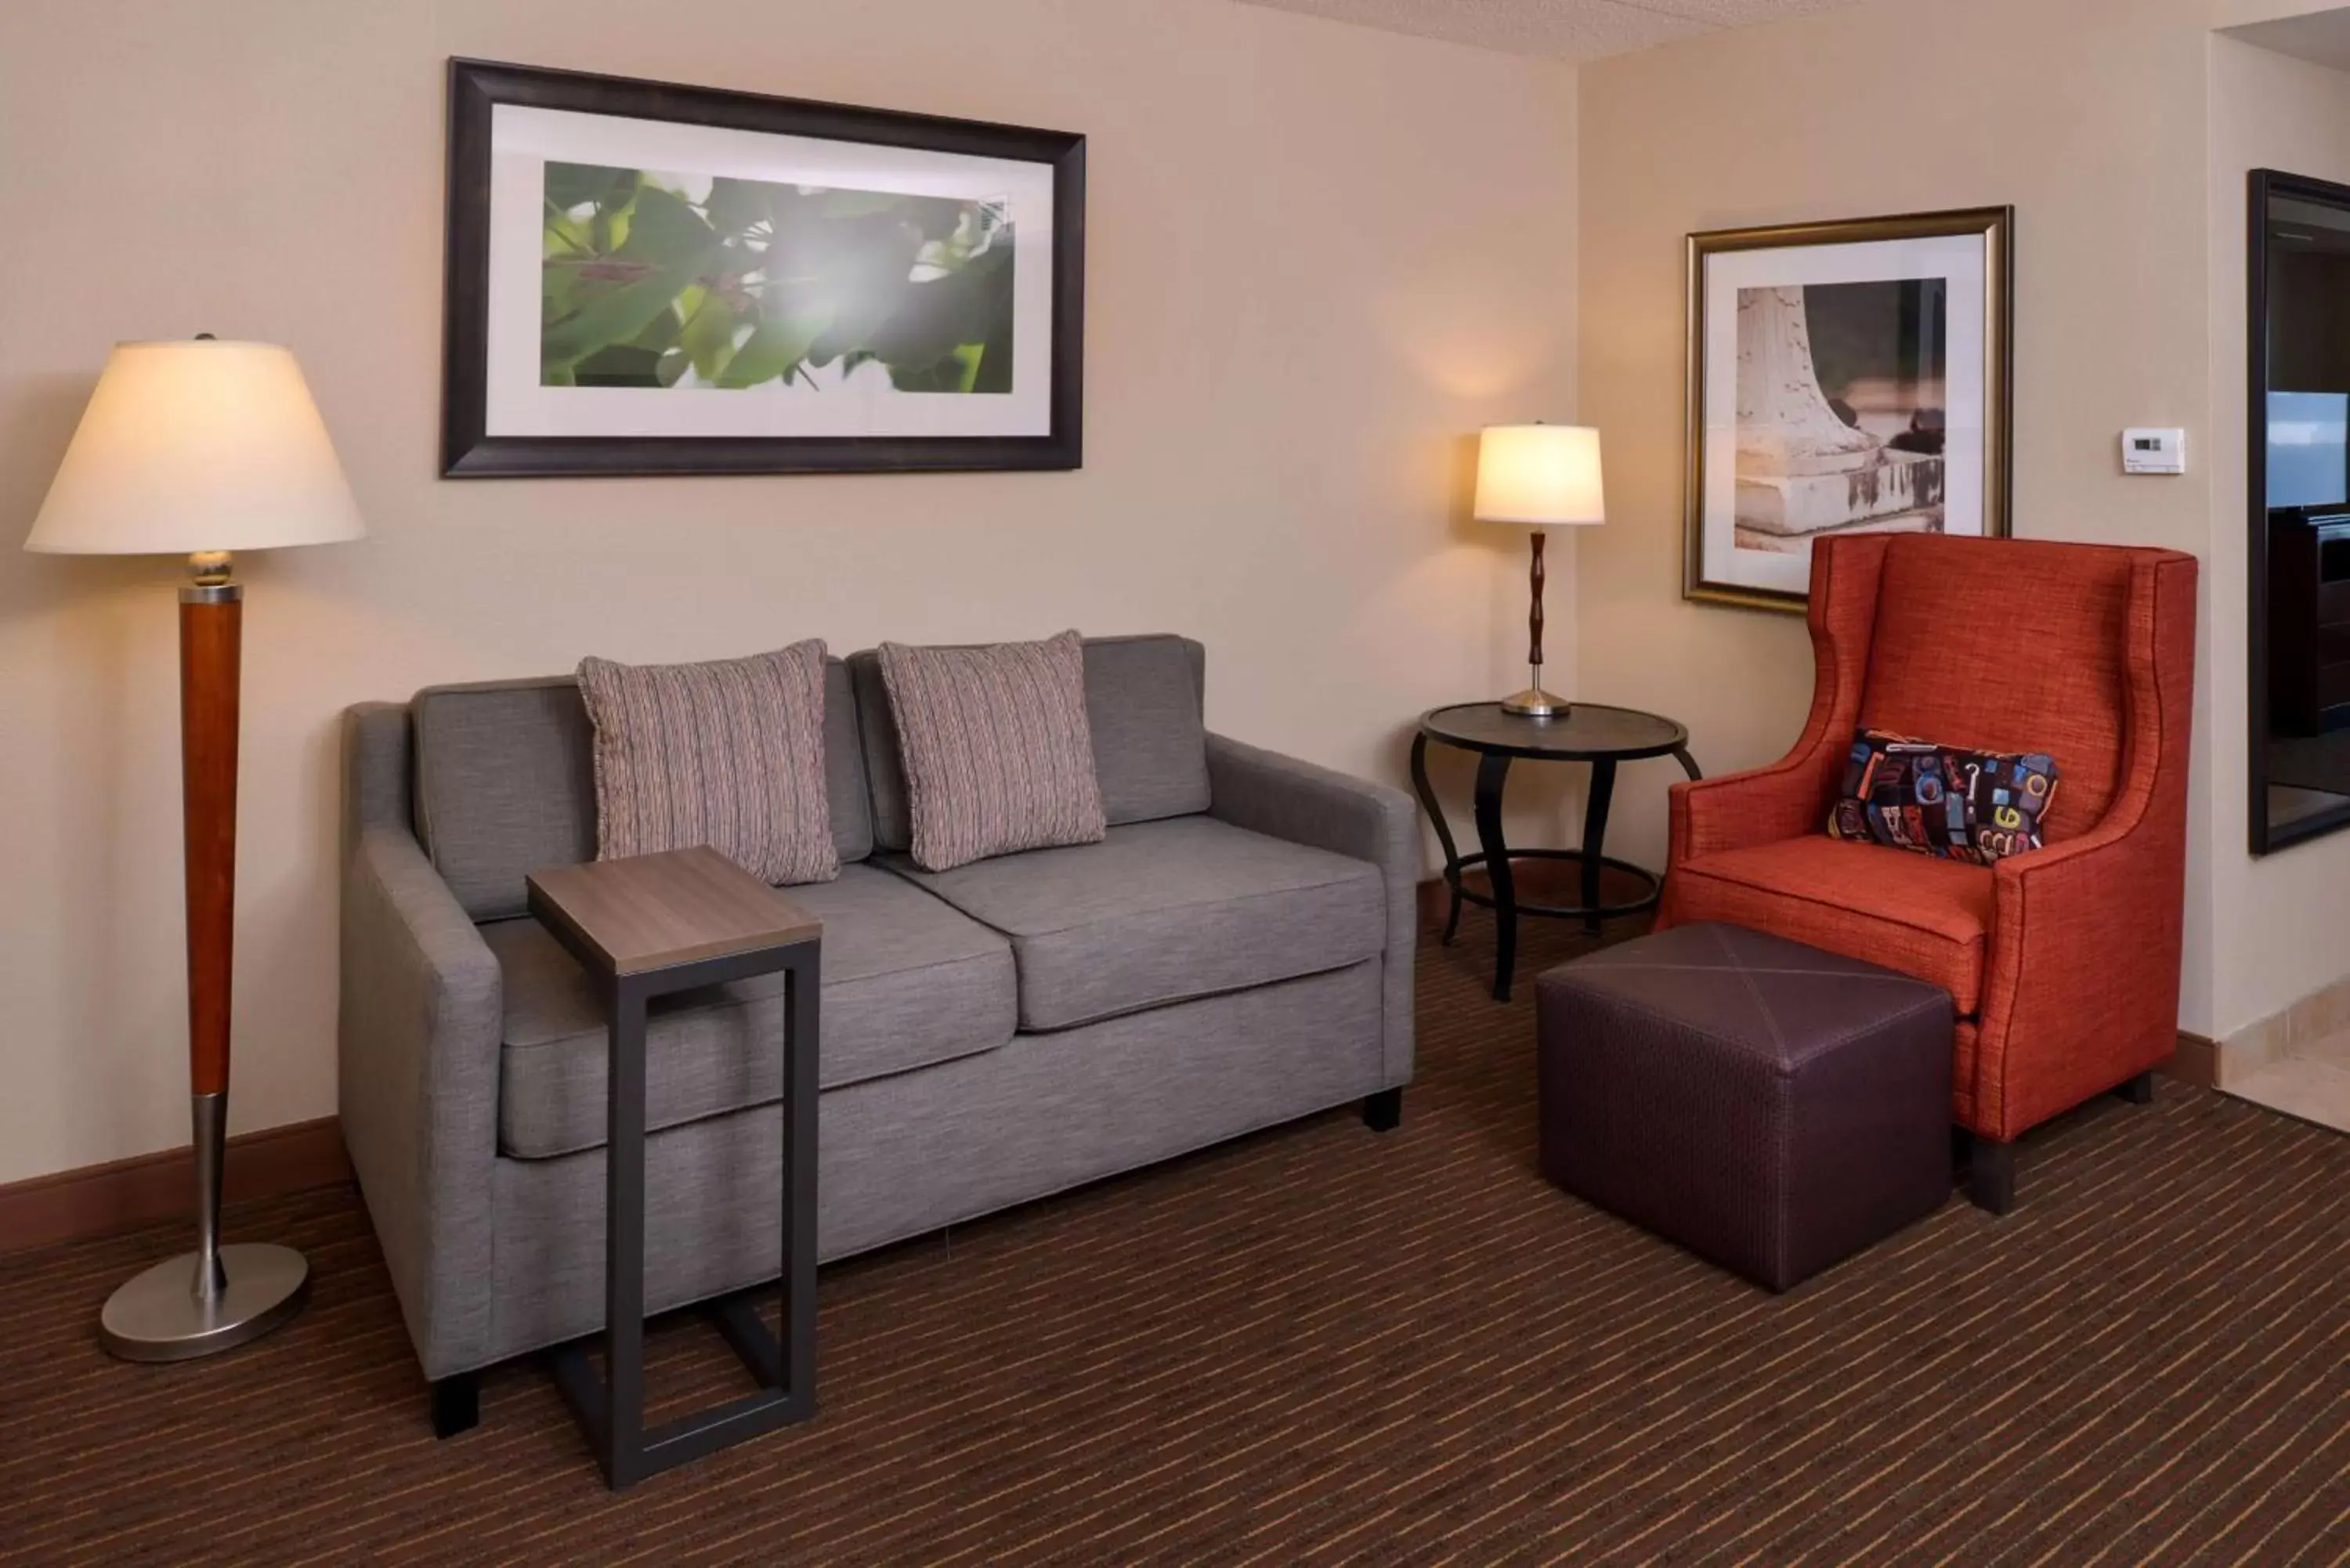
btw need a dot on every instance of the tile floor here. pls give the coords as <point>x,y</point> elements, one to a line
<point>2309,1080</point>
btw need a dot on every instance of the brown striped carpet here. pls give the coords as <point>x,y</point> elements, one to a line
<point>1318,1345</point>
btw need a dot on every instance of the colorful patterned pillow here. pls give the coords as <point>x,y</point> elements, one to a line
<point>1978,806</point>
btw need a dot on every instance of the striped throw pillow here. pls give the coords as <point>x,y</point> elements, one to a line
<point>729,753</point>
<point>997,750</point>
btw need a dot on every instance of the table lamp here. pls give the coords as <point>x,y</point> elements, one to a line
<point>201,448</point>
<point>1544,476</point>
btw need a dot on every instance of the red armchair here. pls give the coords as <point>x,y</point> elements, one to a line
<point>2063,962</point>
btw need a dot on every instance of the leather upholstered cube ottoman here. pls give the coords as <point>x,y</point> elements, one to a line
<point>1772,1108</point>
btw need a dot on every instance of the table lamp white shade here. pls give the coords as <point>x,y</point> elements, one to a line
<point>1544,475</point>
<point>197,446</point>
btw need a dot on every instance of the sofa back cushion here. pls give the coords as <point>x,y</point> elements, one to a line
<point>1143,705</point>
<point>2009,645</point>
<point>505,783</point>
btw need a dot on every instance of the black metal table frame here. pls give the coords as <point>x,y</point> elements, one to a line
<point>610,1409</point>
<point>1494,853</point>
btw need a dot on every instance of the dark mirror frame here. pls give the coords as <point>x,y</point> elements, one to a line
<point>2266,836</point>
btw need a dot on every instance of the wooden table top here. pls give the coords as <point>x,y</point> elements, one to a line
<point>654,912</point>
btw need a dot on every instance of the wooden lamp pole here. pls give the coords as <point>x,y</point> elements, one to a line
<point>1534,700</point>
<point>211,633</point>
<point>186,447</point>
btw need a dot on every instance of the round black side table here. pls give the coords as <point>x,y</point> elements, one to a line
<point>1587,733</point>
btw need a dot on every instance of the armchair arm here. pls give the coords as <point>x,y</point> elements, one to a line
<point>1792,796</point>
<point>418,1038</point>
<point>1737,811</point>
<point>1285,798</point>
<point>2081,982</point>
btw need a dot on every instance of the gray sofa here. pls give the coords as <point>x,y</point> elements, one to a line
<point>1238,952</point>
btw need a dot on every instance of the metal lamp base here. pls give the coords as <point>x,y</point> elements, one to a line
<point>1534,702</point>
<point>157,1315</point>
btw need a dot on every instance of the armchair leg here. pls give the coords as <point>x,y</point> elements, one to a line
<point>456,1404</point>
<point>2138,1091</point>
<point>1383,1112</point>
<point>1991,1175</point>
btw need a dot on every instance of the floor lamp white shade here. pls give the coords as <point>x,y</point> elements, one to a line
<point>197,446</point>
<point>201,448</point>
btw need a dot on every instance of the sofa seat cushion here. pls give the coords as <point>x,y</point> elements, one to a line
<point>907,983</point>
<point>1161,912</point>
<point>1923,916</point>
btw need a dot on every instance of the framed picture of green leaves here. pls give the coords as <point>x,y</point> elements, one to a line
<point>645,278</point>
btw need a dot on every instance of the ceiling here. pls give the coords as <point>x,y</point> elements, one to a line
<point>1558,29</point>
<point>2322,36</point>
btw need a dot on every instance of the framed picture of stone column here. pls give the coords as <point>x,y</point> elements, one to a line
<point>650,278</point>
<point>1844,377</point>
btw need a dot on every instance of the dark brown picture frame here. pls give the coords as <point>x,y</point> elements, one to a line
<point>467,449</point>
<point>1996,225</point>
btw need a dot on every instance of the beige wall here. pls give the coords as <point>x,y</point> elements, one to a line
<point>2086,115</point>
<point>2278,922</point>
<point>1320,257</point>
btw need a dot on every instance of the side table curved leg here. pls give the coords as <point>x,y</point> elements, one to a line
<point>1493,773</point>
<point>1427,794</point>
<point>1595,836</point>
<point>1687,762</point>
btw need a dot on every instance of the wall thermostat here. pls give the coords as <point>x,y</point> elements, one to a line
<point>2154,451</point>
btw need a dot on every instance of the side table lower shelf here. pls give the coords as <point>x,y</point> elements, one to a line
<point>1588,732</point>
<point>782,1400</point>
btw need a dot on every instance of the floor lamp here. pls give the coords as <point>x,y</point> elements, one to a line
<point>201,448</point>
<point>1542,476</point>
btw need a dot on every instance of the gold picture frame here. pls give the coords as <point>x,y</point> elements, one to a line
<point>1949,469</point>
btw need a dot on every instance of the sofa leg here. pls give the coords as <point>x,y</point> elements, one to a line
<point>2138,1091</point>
<point>456,1404</point>
<point>1383,1112</point>
<point>1991,1175</point>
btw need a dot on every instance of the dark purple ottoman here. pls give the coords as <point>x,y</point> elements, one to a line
<point>1768,1106</point>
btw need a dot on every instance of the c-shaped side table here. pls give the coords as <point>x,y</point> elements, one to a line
<point>646,927</point>
<point>1587,733</point>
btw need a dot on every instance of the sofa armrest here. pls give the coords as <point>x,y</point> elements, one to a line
<point>418,1036</point>
<point>1282,797</point>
